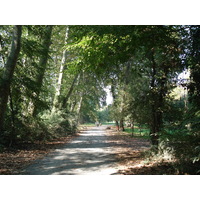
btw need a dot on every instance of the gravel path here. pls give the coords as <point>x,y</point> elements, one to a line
<point>92,153</point>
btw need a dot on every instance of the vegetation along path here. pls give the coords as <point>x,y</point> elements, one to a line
<point>94,152</point>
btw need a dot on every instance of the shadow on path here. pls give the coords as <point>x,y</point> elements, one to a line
<point>90,153</point>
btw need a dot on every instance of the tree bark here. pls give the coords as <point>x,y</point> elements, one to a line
<point>79,107</point>
<point>1,48</point>
<point>81,98</point>
<point>43,63</point>
<point>58,87</point>
<point>126,82</point>
<point>70,91</point>
<point>132,127</point>
<point>155,127</point>
<point>12,118</point>
<point>158,101</point>
<point>117,125</point>
<point>8,73</point>
<point>121,122</point>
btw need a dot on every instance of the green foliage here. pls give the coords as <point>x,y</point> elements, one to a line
<point>104,115</point>
<point>100,47</point>
<point>138,131</point>
<point>175,110</point>
<point>45,127</point>
<point>140,63</point>
<point>20,125</point>
<point>178,148</point>
<point>23,129</point>
<point>59,123</point>
<point>193,60</point>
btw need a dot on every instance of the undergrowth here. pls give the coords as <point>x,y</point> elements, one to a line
<point>45,127</point>
<point>180,149</point>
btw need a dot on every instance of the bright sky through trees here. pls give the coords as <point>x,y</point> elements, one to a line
<point>109,98</point>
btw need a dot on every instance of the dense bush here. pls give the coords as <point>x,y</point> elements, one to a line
<point>45,127</point>
<point>23,129</point>
<point>183,147</point>
<point>59,123</point>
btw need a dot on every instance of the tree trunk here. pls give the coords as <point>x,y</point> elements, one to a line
<point>122,125</point>
<point>8,73</point>
<point>158,101</point>
<point>58,87</point>
<point>73,105</point>
<point>81,96</point>
<point>124,89</point>
<point>43,63</point>
<point>155,127</point>
<point>79,108</point>
<point>70,91</point>
<point>132,127</point>
<point>117,125</point>
<point>12,136</point>
<point>1,48</point>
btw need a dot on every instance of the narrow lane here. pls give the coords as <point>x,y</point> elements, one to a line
<point>90,153</point>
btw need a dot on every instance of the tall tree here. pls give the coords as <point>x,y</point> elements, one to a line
<point>43,63</point>
<point>8,72</point>
<point>194,85</point>
<point>60,76</point>
<point>66,98</point>
<point>159,52</point>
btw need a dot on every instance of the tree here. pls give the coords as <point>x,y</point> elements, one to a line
<point>8,73</point>
<point>160,51</point>
<point>194,85</point>
<point>156,49</point>
<point>60,76</point>
<point>67,71</point>
<point>42,63</point>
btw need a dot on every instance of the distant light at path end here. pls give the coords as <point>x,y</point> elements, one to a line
<point>109,98</point>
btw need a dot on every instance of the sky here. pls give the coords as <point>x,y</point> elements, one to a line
<point>109,98</point>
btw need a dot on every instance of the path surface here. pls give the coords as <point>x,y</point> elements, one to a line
<point>91,153</point>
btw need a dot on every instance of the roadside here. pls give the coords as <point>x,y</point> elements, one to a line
<point>128,152</point>
<point>95,152</point>
<point>14,159</point>
<point>117,144</point>
<point>145,162</point>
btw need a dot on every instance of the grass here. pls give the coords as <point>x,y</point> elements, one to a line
<point>108,123</point>
<point>138,132</point>
<point>88,124</point>
<point>93,124</point>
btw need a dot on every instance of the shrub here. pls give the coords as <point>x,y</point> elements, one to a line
<point>59,123</point>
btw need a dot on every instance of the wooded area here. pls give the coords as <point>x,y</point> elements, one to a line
<point>53,78</point>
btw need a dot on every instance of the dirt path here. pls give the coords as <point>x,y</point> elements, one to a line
<point>94,152</point>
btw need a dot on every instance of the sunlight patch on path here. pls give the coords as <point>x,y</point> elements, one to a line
<point>88,154</point>
<point>92,153</point>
